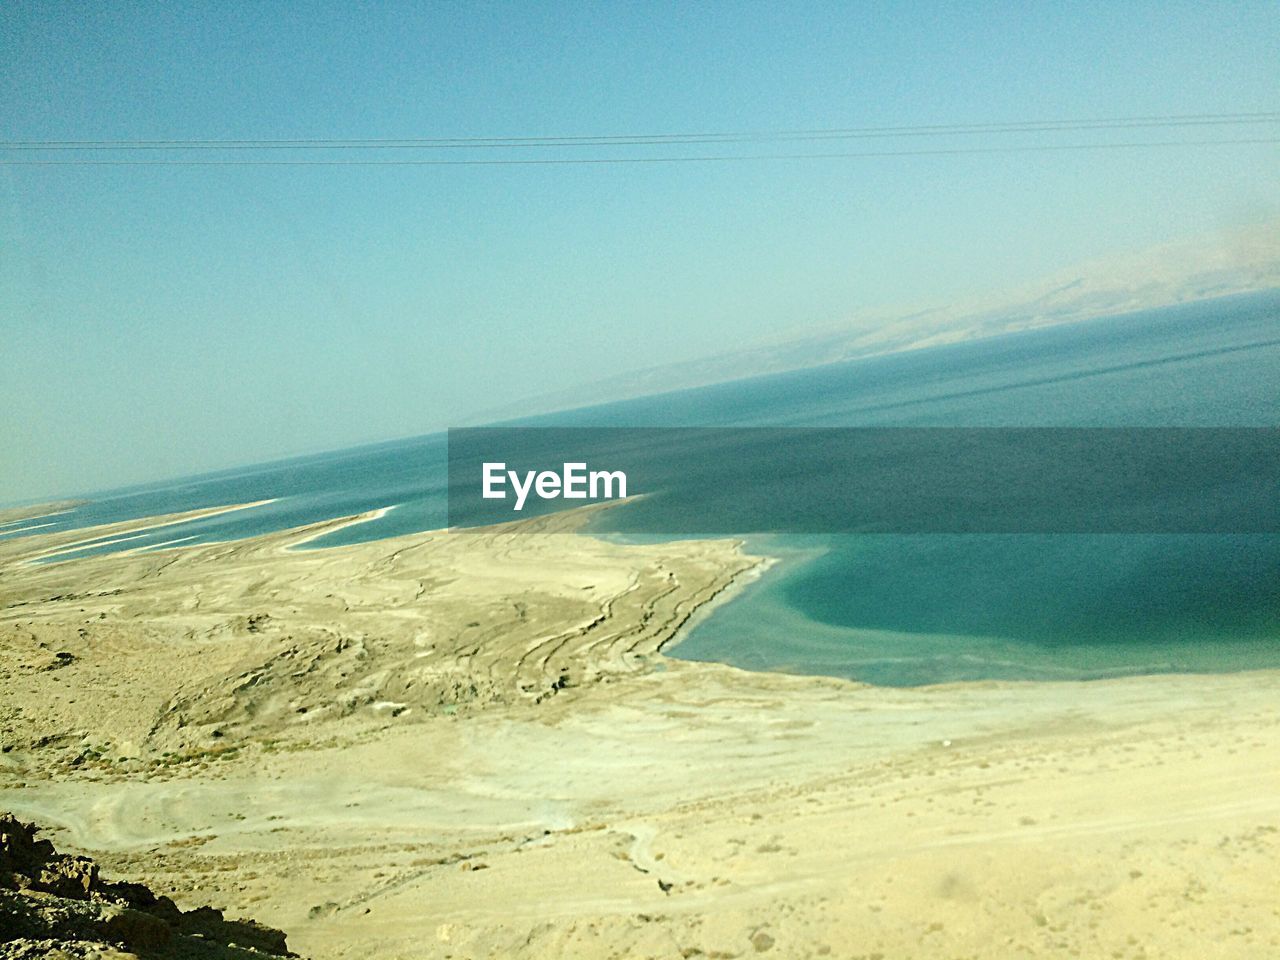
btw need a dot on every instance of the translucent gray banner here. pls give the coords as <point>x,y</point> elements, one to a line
<point>738,480</point>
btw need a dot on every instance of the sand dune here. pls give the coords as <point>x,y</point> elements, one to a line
<point>471,745</point>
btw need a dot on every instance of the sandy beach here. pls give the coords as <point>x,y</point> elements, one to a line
<point>472,745</point>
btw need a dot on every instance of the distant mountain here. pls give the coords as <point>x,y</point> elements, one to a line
<point>1239,262</point>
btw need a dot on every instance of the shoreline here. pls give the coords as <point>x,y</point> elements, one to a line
<point>343,523</point>
<point>73,540</point>
<point>733,590</point>
<point>472,745</point>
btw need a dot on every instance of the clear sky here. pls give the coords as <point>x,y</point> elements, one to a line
<point>163,320</point>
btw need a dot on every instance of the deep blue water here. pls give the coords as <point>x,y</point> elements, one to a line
<point>901,609</point>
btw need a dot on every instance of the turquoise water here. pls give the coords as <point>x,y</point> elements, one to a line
<point>926,609</point>
<point>929,609</point>
<point>901,609</point>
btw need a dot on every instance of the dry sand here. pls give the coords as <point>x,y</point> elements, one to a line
<point>470,745</point>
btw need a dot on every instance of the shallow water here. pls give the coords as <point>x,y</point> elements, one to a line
<point>900,609</point>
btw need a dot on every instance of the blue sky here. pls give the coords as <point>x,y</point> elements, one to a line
<point>159,321</point>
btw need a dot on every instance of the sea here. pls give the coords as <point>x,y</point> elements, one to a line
<point>882,608</point>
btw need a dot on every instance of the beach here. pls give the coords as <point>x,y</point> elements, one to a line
<point>472,745</point>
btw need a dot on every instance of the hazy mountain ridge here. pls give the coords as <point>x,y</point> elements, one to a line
<point>1242,261</point>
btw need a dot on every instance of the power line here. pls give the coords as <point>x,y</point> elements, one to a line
<point>543,161</point>
<point>629,140</point>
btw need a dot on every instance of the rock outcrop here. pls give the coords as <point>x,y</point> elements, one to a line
<point>54,905</point>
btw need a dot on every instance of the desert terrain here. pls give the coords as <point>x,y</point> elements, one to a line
<point>471,745</point>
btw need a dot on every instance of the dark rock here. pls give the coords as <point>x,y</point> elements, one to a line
<point>136,929</point>
<point>52,904</point>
